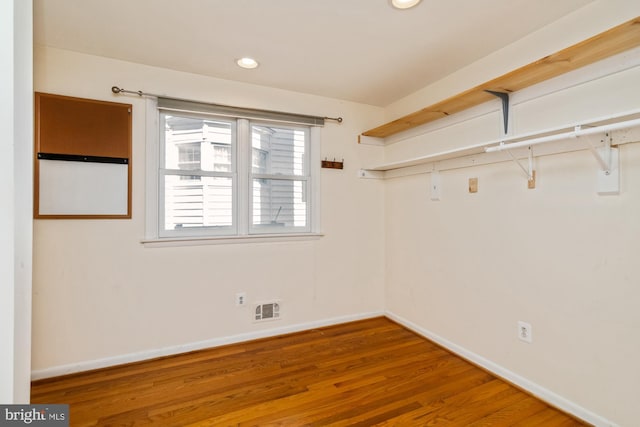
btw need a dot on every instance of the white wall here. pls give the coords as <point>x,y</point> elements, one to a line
<point>7,281</point>
<point>468,267</point>
<point>15,213</point>
<point>100,295</point>
<point>23,173</point>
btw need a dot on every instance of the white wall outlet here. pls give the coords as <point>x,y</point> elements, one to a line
<point>241,299</point>
<point>525,332</point>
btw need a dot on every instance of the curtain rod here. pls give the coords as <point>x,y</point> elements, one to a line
<point>118,90</point>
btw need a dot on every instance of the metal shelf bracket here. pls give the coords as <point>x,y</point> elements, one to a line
<point>608,158</point>
<point>529,172</point>
<point>504,97</point>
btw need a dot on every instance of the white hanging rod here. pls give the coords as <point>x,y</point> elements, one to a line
<point>576,133</point>
<point>523,140</point>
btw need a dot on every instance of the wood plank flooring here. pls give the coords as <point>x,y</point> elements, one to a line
<point>366,373</point>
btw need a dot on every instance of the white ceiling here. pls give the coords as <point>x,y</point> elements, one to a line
<point>358,50</point>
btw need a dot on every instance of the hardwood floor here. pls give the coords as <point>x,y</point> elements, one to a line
<point>372,372</point>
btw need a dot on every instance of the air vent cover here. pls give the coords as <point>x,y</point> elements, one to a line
<point>267,311</point>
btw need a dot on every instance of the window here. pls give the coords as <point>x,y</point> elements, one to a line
<point>279,179</point>
<point>196,175</point>
<point>219,176</point>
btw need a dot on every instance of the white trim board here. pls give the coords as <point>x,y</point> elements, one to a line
<point>89,365</point>
<point>536,390</point>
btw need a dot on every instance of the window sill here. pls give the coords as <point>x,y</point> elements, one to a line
<point>226,240</point>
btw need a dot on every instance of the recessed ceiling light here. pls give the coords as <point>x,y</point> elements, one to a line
<point>404,4</point>
<point>247,62</point>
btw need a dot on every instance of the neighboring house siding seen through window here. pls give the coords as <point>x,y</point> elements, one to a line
<point>278,177</point>
<point>221,176</point>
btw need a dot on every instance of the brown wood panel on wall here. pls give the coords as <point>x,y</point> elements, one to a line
<point>82,132</point>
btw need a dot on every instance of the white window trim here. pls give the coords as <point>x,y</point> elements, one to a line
<point>314,172</point>
<point>152,154</point>
<point>244,152</point>
<point>152,161</point>
<point>166,242</point>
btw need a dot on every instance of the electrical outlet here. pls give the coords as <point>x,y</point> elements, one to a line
<point>525,332</point>
<point>241,299</point>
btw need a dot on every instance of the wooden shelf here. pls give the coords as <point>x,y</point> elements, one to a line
<point>611,42</point>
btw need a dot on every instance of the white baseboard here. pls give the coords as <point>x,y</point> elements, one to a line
<point>89,365</point>
<point>540,392</point>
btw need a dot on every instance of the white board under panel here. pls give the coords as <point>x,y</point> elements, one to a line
<point>83,188</point>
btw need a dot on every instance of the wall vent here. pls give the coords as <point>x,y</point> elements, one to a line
<point>267,311</point>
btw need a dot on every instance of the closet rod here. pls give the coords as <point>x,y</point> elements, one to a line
<point>576,133</point>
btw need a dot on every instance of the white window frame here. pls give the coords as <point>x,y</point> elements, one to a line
<point>243,232</point>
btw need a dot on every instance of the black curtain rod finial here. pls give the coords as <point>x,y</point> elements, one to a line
<point>116,89</point>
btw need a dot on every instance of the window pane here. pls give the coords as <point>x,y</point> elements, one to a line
<point>279,203</point>
<point>193,143</point>
<point>278,150</point>
<point>197,202</point>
